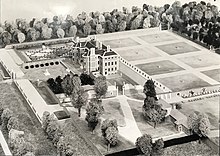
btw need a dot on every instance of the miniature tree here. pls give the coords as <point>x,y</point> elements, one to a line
<point>199,124</point>
<point>72,31</point>
<point>149,89</point>
<point>192,122</point>
<point>87,29</point>
<point>6,115</point>
<point>99,29</point>
<point>76,83</point>
<point>21,37</point>
<point>46,32</point>
<point>158,147</point>
<point>93,112</point>
<point>1,111</point>
<point>122,25</point>
<point>67,85</point>
<point>109,130</point>
<point>13,123</point>
<point>152,111</point>
<point>6,38</point>
<point>144,144</point>
<point>60,33</point>
<point>79,99</point>
<point>100,86</point>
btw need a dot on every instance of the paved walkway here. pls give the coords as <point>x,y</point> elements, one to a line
<point>131,130</point>
<point>4,145</point>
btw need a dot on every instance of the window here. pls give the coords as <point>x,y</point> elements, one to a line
<point>108,69</point>
<point>105,73</point>
<point>98,62</point>
<point>105,63</point>
<point>115,68</point>
<point>112,69</point>
<point>109,63</point>
<point>112,63</point>
<point>115,62</point>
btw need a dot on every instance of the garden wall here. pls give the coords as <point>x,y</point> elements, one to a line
<point>168,143</point>
<point>138,75</point>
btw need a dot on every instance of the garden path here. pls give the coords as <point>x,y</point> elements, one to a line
<point>4,144</point>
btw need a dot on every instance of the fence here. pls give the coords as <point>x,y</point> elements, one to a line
<point>138,75</point>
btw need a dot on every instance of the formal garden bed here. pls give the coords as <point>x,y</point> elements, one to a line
<point>12,99</point>
<point>189,149</point>
<point>163,129</point>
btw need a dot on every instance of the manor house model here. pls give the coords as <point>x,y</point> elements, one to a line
<point>98,57</point>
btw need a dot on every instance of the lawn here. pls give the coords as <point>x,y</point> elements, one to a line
<point>177,48</point>
<point>12,99</point>
<point>113,107</point>
<point>189,149</point>
<point>160,67</point>
<point>214,74</point>
<point>135,54</point>
<point>97,138</point>
<point>119,80</point>
<point>209,106</point>
<point>204,60</point>
<point>1,151</point>
<point>155,38</point>
<point>54,71</point>
<point>136,95</point>
<point>163,129</point>
<point>118,43</point>
<point>183,82</point>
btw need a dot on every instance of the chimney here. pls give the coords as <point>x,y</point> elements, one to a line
<point>108,48</point>
<point>100,45</point>
<point>92,51</point>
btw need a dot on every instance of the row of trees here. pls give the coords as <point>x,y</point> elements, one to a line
<point>84,24</point>
<point>200,21</point>
<point>11,125</point>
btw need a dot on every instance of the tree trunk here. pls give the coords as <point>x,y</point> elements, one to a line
<point>155,124</point>
<point>79,112</point>
<point>108,147</point>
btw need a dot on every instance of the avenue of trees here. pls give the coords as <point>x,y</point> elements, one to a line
<point>197,19</point>
<point>151,109</point>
